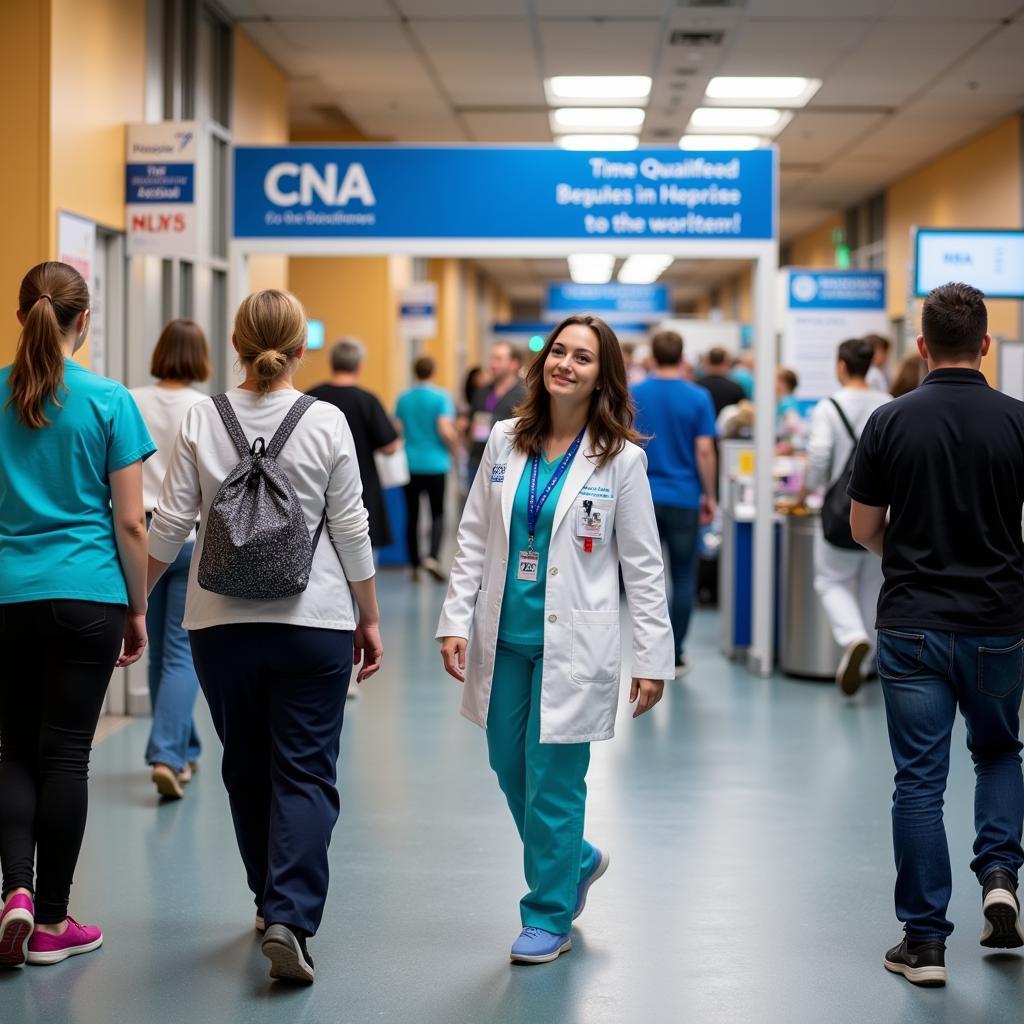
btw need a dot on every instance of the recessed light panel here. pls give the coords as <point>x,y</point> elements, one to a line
<point>737,119</point>
<point>788,92</point>
<point>644,269</point>
<point>591,268</point>
<point>597,119</point>
<point>587,90</point>
<point>612,143</point>
<point>721,142</point>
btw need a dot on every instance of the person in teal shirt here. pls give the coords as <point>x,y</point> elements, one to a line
<point>743,373</point>
<point>427,415</point>
<point>72,590</point>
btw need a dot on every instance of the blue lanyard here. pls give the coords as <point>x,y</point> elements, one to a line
<point>535,504</point>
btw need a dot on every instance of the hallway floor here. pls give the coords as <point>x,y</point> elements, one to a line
<point>747,820</point>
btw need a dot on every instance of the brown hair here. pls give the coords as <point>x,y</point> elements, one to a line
<point>910,372</point>
<point>667,348</point>
<point>610,421</point>
<point>717,356</point>
<point>878,342</point>
<point>424,368</point>
<point>954,322</point>
<point>788,377</point>
<point>52,296</point>
<point>181,353</point>
<point>270,331</point>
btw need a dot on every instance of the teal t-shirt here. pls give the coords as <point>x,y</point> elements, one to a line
<point>522,608</point>
<point>56,526</point>
<point>419,410</point>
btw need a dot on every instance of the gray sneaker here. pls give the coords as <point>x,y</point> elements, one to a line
<point>288,956</point>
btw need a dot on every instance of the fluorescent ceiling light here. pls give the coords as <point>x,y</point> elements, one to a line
<point>736,118</point>
<point>589,89</point>
<point>644,269</point>
<point>721,142</point>
<point>615,143</point>
<point>596,119</point>
<point>787,91</point>
<point>591,268</point>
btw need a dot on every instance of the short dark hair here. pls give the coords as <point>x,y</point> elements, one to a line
<point>347,355</point>
<point>717,356</point>
<point>954,322</point>
<point>788,377</point>
<point>878,342</point>
<point>856,354</point>
<point>424,368</point>
<point>181,353</point>
<point>515,353</point>
<point>667,348</point>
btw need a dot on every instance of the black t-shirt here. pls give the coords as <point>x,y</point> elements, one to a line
<point>483,404</point>
<point>371,429</point>
<point>948,461</point>
<point>724,390</point>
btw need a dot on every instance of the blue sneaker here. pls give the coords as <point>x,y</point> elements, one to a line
<point>603,860</point>
<point>536,946</point>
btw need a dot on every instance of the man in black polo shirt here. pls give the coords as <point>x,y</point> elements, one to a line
<point>947,463</point>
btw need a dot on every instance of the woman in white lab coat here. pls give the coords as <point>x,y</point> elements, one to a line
<point>531,620</point>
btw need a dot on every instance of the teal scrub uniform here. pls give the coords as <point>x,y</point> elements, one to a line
<point>544,783</point>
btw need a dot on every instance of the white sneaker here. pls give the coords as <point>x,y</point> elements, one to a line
<point>848,675</point>
<point>434,568</point>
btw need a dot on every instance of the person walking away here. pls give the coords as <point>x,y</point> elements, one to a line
<point>847,580</point>
<point>72,602</point>
<point>497,402</point>
<point>910,371</point>
<point>530,622</point>
<point>426,413</point>
<point>372,429</point>
<point>878,375</point>
<point>476,378</point>
<point>678,420</point>
<point>274,655</point>
<point>742,373</point>
<point>716,380</point>
<point>937,491</point>
<point>181,358</point>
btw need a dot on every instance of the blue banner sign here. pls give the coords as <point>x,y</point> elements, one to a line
<point>494,192</point>
<point>837,289</point>
<point>611,301</point>
<point>160,183</point>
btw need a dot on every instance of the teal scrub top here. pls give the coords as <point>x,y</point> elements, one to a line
<point>522,608</point>
<point>419,410</point>
<point>56,526</point>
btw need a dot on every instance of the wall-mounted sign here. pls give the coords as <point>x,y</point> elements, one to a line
<point>160,189</point>
<point>501,192</point>
<point>824,308</point>
<point>613,302</point>
<point>417,310</point>
<point>990,260</point>
<point>76,244</point>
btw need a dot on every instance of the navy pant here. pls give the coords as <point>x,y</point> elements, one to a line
<point>925,674</point>
<point>679,530</point>
<point>277,696</point>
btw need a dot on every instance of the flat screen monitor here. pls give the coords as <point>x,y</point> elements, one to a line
<point>990,260</point>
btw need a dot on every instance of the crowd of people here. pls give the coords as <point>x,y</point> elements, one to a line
<point>235,537</point>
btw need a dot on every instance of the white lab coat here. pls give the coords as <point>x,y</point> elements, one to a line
<point>582,656</point>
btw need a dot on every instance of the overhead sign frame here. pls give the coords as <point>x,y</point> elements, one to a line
<point>1013,236</point>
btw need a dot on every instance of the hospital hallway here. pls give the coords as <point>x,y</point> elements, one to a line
<point>751,876</point>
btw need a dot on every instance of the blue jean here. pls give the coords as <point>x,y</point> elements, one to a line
<point>925,674</point>
<point>680,529</point>
<point>173,684</point>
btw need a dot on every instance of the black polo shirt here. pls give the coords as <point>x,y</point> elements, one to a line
<point>948,461</point>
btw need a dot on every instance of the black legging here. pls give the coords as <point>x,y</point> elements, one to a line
<point>431,484</point>
<point>58,659</point>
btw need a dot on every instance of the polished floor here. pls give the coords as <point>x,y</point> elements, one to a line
<point>747,819</point>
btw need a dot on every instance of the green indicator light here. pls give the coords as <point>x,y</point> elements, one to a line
<point>536,343</point>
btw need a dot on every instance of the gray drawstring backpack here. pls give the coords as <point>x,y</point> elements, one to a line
<point>256,544</point>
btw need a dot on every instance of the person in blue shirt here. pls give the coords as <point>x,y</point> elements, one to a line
<point>743,373</point>
<point>678,418</point>
<point>427,415</point>
<point>72,594</point>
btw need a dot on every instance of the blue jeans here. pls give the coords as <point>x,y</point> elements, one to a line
<point>679,530</point>
<point>925,674</point>
<point>173,685</point>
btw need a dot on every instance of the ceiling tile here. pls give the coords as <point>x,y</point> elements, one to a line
<point>956,10</point>
<point>449,9</point>
<point>816,8</point>
<point>599,48</point>
<point>510,127</point>
<point>326,9</point>
<point>599,8</point>
<point>816,138</point>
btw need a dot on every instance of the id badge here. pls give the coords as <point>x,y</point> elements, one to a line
<point>529,566</point>
<point>590,521</point>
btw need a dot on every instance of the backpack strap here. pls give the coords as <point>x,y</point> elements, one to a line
<point>234,428</point>
<point>846,422</point>
<point>288,424</point>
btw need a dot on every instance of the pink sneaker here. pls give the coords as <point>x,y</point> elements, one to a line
<point>52,949</point>
<point>16,924</point>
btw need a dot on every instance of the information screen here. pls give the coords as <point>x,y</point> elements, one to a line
<point>992,261</point>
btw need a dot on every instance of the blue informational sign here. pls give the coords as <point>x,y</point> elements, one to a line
<point>990,260</point>
<point>160,183</point>
<point>837,289</point>
<point>611,301</point>
<point>501,192</point>
<point>314,334</point>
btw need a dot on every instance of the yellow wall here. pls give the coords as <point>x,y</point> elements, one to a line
<point>444,345</point>
<point>815,249</point>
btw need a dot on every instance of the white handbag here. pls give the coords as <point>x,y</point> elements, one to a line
<point>392,469</point>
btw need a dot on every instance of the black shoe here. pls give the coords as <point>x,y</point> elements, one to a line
<point>287,953</point>
<point>922,963</point>
<point>1001,908</point>
<point>848,675</point>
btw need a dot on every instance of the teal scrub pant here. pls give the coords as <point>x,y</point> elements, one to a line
<point>545,786</point>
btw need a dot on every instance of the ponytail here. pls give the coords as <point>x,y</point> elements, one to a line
<point>51,298</point>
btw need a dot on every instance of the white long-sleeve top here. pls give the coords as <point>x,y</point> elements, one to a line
<point>829,444</point>
<point>320,461</point>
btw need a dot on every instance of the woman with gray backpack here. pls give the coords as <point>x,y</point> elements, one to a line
<point>271,476</point>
